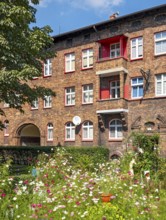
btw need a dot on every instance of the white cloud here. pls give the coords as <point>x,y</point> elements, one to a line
<point>45,3</point>
<point>85,4</point>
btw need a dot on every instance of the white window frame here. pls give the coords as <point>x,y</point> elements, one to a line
<point>47,102</point>
<point>162,81</point>
<point>115,126</point>
<point>87,94</point>
<point>35,104</point>
<point>70,130</point>
<point>116,88</point>
<point>69,59</point>
<point>137,85</point>
<point>70,96</point>
<point>87,131</point>
<point>50,132</point>
<point>87,55</point>
<point>116,50</point>
<point>6,129</point>
<point>48,67</point>
<point>137,44</point>
<point>161,40</point>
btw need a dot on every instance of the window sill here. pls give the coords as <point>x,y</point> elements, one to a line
<point>136,99</point>
<point>69,105</point>
<point>102,100</point>
<point>90,103</point>
<point>115,140</point>
<point>69,140</point>
<point>159,55</point>
<point>109,59</point>
<point>88,68</point>
<point>160,96</point>
<point>32,109</point>
<point>136,59</point>
<point>47,107</point>
<point>50,141</point>
<point>6,135</point>
<point>35,78</point>
<point>47,76</point>
<point>70,72</point>
<point>90,140</point>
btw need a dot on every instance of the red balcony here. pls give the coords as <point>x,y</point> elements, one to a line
<point>112,48</point>
<point>112,54</point>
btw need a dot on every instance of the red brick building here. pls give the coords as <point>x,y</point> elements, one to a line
<point>112,75</point>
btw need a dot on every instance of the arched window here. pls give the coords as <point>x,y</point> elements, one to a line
<point>50,132</point>
<point>6,129</point>
<point>115,129</point>
<point>87,129</point>
<point>70,131</point>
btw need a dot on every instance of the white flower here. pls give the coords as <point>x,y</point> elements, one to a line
<point>14,198</point>
<point>140,150</point>
<point>95,200</point>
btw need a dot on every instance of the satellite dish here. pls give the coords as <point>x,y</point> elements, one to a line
<point>76,120</point>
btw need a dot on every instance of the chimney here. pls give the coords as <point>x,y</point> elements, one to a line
<point>113,16</point>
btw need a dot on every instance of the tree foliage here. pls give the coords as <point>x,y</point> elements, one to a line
<point>22,50</point>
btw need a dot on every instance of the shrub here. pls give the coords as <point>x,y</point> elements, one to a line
<point>88,157</point>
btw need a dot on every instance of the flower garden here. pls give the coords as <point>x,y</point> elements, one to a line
<point>59,187</point>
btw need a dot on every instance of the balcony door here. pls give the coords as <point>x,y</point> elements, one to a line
<point>115,89</point>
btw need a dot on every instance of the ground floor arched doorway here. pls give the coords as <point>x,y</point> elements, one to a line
<point>29,135</point>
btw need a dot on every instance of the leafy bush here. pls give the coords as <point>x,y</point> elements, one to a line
<point>88,157</point>
<point>105,211</point>
<point>147,152</point>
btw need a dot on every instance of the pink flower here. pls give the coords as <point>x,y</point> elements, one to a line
<point>48,191</point>
<point>39,205</point>
<point>78,203</point>
<point>3,195</point>
<point>33,205</point>
<point>26,182</point>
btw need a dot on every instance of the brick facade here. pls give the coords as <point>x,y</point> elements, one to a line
<point>134,114</point>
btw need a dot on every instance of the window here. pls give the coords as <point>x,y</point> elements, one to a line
<point>137,87</point>
<point>70,96</point>
<point>48,67</point>
<point>6,129</point>
<point>35,104</point>
<point>47,101</point>
<point>137,48</point>
<point>161,84</point>
<point>70,132</point>
<point>115,127</point>
<point>87,94</point>
<point>87,58</point>
<point>50,132</point>
<point>87,130</point>
<point>115,50</point>
<point>70,62</point>
<point>115,89</point>
<point>160,43</point>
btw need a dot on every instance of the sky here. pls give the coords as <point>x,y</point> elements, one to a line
<point>67,15</point>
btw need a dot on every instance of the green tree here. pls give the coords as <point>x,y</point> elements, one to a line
<point>22,48</point>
